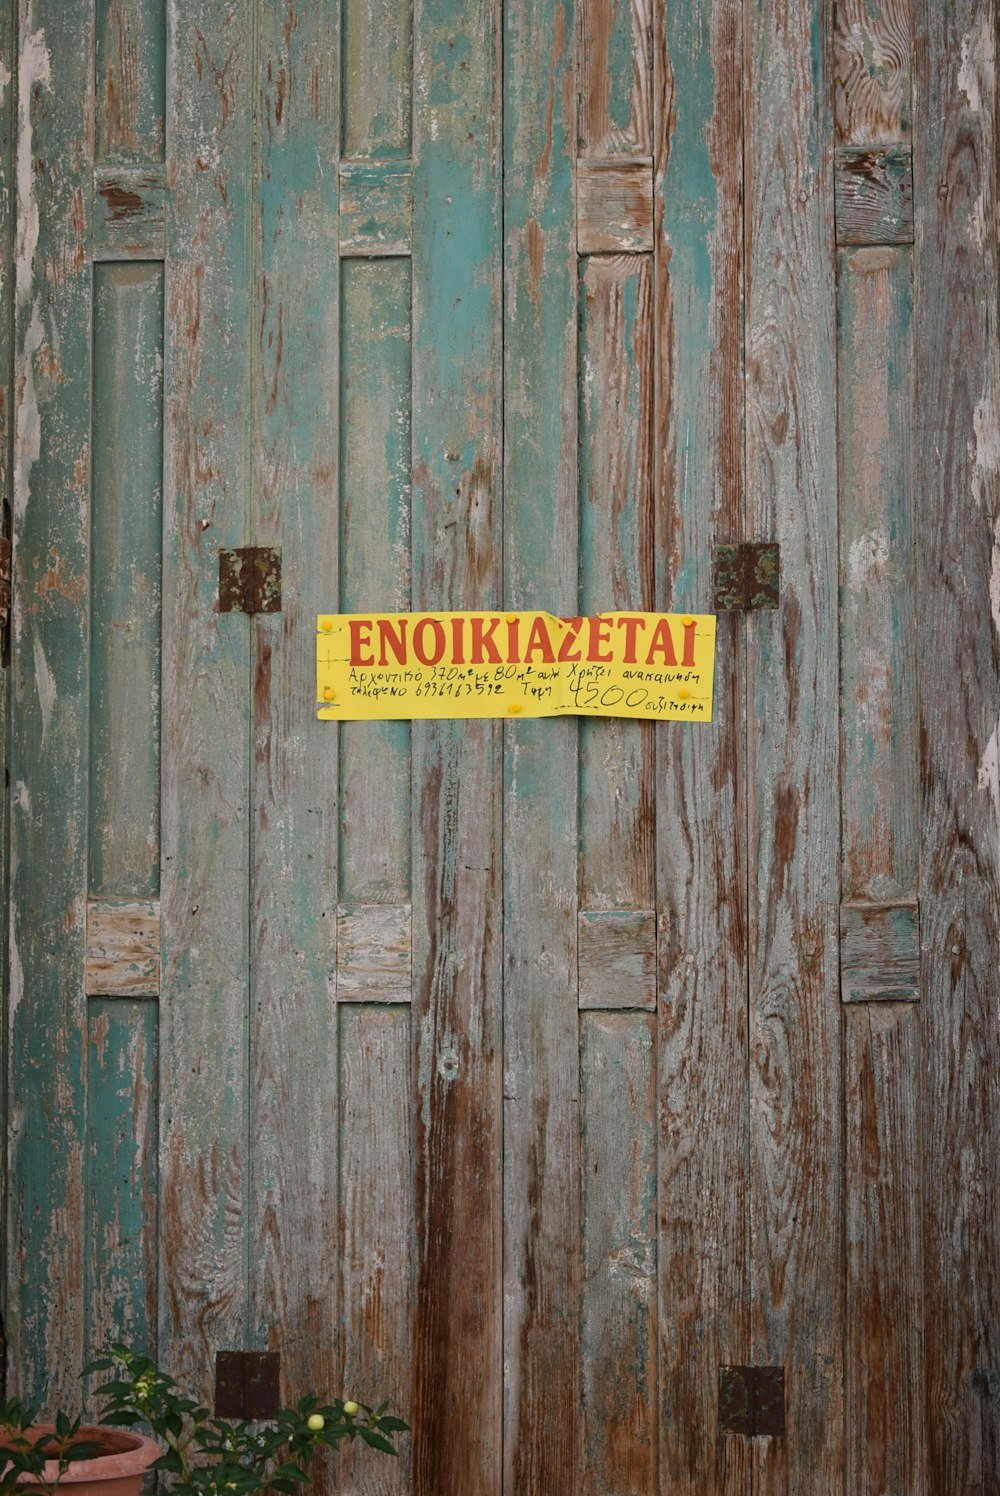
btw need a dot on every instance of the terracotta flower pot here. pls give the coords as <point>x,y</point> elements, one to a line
<point>117,1470</point>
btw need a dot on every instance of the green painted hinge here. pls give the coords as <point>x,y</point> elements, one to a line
<point>752,1400</point>
<point>746,577</point>
<point>250,580</point>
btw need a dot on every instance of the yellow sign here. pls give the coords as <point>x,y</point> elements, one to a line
<point>655,666</point>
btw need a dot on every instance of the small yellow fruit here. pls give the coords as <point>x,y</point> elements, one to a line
<point>315,1421</point>
<point>350,1408</point>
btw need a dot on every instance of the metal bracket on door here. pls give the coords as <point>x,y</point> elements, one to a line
<point>746,577</point>
<point>250,580</point>
<point>752,1400</point>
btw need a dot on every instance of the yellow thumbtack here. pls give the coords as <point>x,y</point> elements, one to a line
<point>329,694</point>
<point>514,708</point>
<point>683,694</point>
<point>326,624</point>
<point>511,617</point>
<point>687,622</point>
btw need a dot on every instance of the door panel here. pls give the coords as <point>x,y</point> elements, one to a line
<point>527,1073</point>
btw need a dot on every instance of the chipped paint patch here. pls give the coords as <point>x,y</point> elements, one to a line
<point>989,772</point>
<point>978,67</point>
<point>867,560</point>
<point>5,77</point>
<point>35,71</point>
<point>45,685</point>
<point>27,420</point>
<point>985,449</point>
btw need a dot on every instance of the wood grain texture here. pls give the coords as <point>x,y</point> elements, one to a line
<point>375,457</point>
<point>792,757</point>
<point>957,517</point>
<point>293,769</point>
<point>879,953</point>
<point>873,60</point>
<point>8,213</point>
<point>615,78</point>
<point>122,1195</point>
<point>130,213</point>
<point>131,79</point>
<point>873,195</point>
<point>541,1066</point>
<point>884,1338</point>
<point>701,862</point>
<point>373,953</point>
<point>618,1208</point>
<point>457,910</point>
<point>123,948</point>
<point>47,1022</point>
<point>126,537</point>
<point>204,1223</point>
<point>614,207</point>
<point>617,826</point>
<point>617,957</point>
<point>377,1233</point>
<point>880,769</point>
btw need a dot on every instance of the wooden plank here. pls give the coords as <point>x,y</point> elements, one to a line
<point>793,747</point>
<point>614,206</point>
<point>375,447</point>
<point>878,611</point>
<point>617,958</point>
<point>617,841</point>
<point>130,213</point>
<point>373,953</point>
<point>293,775</point>
<point>8,210</point>
<point>123,948</point>
<point>376,208</point>
<point>457,932</point>
<point>872,61</point>
<point>47,1023</point>
<point>541,1258</point>
<point>377,1230</point>
<point>378,78</point>
<point>879,953</point>
<point>126,532</point>
<point>204,1223</point>
<point>957,518</point>
<point>131,80</point>
<point>873,195</point>
<point>122,1205</point>
<point>884,1338</point>
<point>618,1309</point>
<point>701,860</point>
<point>615,78</point>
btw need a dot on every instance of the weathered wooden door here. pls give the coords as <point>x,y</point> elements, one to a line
<point>529,1073</point>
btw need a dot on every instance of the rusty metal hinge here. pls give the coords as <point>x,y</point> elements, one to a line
<point>3,1360</point>
<point>752,1400</point>
<point>247,1384</point>
<point>250,580</point>
<point>746,577</point>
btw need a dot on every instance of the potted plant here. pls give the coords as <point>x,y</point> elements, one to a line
<point>203,1455</point>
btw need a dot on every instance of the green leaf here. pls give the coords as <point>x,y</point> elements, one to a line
<point>375,1440</point>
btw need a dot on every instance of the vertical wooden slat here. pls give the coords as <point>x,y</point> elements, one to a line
<point>617,1316</point>
<point>121,1174</point>
<point>457,369</point>
<point>541,1048</point>
<point>883,1350</point>
<point>126,536</point>
<point>617,830</point>
<point>131,80</point>
<point>8,121</point>
<point>377,78</point>
<point>375,563</point>
<point>701,808</point>
<point>616,77</point>
<point>47,1031</point>
<point>957,516</point>
<point>293,781</point>
<point>795,1094</point>
<point>204,1235</point>
<point>376,1201</point>
<point>873,58</point>
<point>879,766</point>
